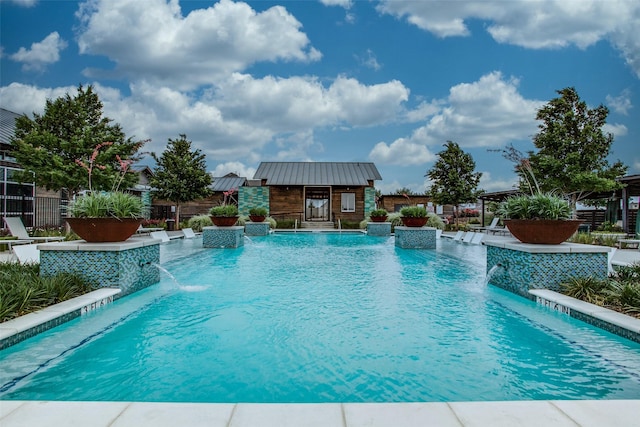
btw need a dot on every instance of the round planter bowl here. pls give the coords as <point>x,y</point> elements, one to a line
<point>410,221</point>
<point>543,231</point>
<point>224,221</point>
<point>378,218</point>
<point>102,230</point>
<point>257,218</point>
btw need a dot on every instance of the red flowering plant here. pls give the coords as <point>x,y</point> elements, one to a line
<point>227,208</point>
<point>111,204</point>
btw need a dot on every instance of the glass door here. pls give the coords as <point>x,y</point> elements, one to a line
<point>316,202</point>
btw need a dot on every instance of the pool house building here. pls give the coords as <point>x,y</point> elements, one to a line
<point>312,193</point>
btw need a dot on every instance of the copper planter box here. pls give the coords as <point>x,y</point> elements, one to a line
<point>542,231</point>
<point>224,221</point>
<point>101,230</point>
<point>410,221</point>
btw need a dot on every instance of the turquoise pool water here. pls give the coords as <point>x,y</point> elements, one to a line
<point>322,318</point>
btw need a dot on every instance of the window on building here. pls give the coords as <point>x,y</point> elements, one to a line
<point>348,202</point>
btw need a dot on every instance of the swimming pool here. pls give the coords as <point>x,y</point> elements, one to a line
<point>322,318</point>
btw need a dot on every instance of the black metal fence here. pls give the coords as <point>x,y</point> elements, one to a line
<point>36,212</point>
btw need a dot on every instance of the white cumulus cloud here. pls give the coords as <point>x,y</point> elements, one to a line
<point>238,168</point>
<point>532,24</point>
<point>487,113</point>
<point>620,104</point>
<point>40,54</point>
<point>153,39</point>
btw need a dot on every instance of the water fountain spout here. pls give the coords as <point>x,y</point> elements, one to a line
<point>492,272</point>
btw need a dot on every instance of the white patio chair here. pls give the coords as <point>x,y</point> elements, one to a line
<point>438,233</point>
<point>477,239</point>
<point>160,235</point>
<point>17,229</point>
<point>27,254</point>
<point>468,237</point>
<point>188,233</point>
<point>458,236</point>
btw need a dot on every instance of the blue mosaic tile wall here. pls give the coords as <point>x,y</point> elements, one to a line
<point>252,197</point>
<point>129,270</point>
<point>256,228</point>
<point>369,200</point>
<point>522,271</point>
<point>379,228</point>
<point>415,237</point>
<point>223,237</point>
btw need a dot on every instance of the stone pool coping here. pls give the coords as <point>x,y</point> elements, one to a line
<point>604,318</point>
<point>551,413</point>
<point>19,329</point>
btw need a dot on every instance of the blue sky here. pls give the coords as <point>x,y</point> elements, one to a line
<point>331,80</point>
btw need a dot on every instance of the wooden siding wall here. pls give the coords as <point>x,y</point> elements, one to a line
<point>389,202</point>
<point>286,203</point>
<point>336,204</point>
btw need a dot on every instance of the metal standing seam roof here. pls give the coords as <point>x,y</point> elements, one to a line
<point>225,183</point>
<point>7,125</point>
<point>317,173</point>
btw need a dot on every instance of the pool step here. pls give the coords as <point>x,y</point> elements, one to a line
<point>317,224</point>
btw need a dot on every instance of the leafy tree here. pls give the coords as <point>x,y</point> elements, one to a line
<point>404,190</point>
<point>573,149</point>
<point>50,146</point>
<point>453,178</point>
<point>180,175</point>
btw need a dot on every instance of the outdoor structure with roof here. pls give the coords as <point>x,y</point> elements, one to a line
<point>19,199</point>
<point>314,191</point>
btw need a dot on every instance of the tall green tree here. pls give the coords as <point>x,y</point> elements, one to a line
<point>453,180</point>
<point>50,146</point>
<point>573,149</point>
<point>403,191</point>
<point>180,174</point>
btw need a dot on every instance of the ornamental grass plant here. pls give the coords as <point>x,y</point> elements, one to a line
<point>23,291</point>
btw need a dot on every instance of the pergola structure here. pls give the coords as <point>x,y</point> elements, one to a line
<point>497,197</point>
<point>631,189</point>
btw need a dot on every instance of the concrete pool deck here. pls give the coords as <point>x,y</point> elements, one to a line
<point>552,413</point>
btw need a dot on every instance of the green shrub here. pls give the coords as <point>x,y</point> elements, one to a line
<point>587,289</point>
<point>224,210</point>
<point>378,212</point>
<point>259,211</point>
<point>413,212</point>
<point>609,228</point>
<point>24,291</point>
<point>536,206</point>
<point>435,221</point>
<point>199,222</point>
<point>350,225</point>
<point>286,224</point>
<point>104,205</point>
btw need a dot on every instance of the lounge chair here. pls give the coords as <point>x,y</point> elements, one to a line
<point>27,254</point>
<point>468,237</point>
<point>188,233</point>
<point>143,230</point>
<point>17,229</point>
<point>458,236</point>
<point>438,233</point>
<point>162,235</point>
<point>12,242</point>
<point>477,239</point>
